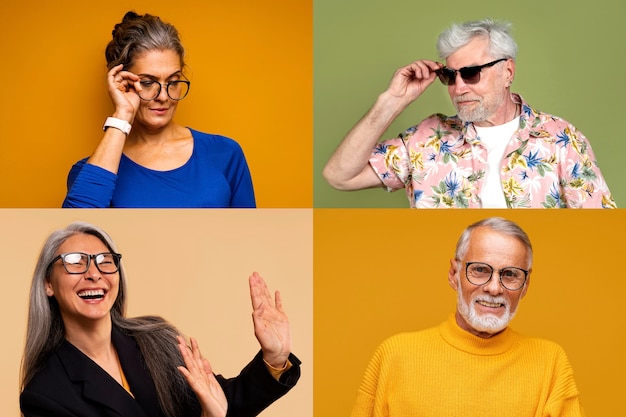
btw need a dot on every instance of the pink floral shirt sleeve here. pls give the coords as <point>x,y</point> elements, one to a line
<point>441,163</point>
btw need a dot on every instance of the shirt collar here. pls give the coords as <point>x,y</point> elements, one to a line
<point>527,113</point>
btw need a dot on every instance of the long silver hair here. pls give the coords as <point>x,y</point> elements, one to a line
<point>155,337</point>
<point>501,43</point>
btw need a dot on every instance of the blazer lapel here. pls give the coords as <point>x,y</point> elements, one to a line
<point>97,385</point>
<point>137,375</point>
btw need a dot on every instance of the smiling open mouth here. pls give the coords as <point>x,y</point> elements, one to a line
<point>91,294</point>
<point>489,304</point>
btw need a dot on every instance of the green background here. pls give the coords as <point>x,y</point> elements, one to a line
<point>571,63</point>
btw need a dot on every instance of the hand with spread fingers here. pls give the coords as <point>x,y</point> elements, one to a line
<point>271,326</point>
<point>198,373</point>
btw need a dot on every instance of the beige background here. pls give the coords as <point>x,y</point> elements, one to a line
<point>189,266</point>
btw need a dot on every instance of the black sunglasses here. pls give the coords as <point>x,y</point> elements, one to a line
<point>470,75</point>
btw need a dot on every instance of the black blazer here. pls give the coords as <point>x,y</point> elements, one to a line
<point>72,385</point>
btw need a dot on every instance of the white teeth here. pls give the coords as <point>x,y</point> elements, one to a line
<point>488,304</point>
<point>91,294</point>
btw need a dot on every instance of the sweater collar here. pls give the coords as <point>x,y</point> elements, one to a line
<point>467,342</point>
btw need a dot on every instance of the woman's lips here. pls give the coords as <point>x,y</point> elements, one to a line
<point>159,111</point>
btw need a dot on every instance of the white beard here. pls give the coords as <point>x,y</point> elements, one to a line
<point>486,108</point>
<point>487,323</point>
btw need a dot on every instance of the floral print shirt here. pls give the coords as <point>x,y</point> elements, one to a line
<point>441,163</point>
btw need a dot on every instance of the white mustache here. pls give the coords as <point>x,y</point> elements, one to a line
<point>467,97</point>
<point>490,299</point>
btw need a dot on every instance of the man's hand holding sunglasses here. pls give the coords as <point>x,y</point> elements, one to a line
<point>409,82</point>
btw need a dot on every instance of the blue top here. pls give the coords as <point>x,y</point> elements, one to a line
<point>216,175</point>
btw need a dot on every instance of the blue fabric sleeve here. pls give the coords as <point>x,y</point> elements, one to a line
<point>89,186</point>
<point>240,180</point>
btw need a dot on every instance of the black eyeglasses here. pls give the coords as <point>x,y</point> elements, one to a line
<point>511,278</point>
<point>79,262</point>
<point>176,90</point>
<point>470,75</point>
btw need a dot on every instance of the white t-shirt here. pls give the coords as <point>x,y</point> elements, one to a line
<point>495,139</point>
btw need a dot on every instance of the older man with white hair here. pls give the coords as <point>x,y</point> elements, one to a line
<point>474,364</point>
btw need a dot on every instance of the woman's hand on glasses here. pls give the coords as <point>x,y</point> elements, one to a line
<point>123,87</point>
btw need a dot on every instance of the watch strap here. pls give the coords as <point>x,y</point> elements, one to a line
<point>120,124</point>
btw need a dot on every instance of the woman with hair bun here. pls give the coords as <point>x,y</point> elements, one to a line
<point>145,159</point>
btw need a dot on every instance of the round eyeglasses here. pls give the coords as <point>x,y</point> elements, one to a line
<point>176,90</point>
<point>79,262</point>
<point>511,278</point>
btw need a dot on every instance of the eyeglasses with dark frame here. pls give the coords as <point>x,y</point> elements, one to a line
<point>176,90</point>
<point>470,75</point>
<point>480,273</point>
<point>79,262</point>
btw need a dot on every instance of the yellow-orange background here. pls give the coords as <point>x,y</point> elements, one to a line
<point>191,269</point>
<point>381,272</point>
<point>250,64</point>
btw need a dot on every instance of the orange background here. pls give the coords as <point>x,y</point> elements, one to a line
<point>250,64</point>
<point>191,269</point>
<point>379,272</point>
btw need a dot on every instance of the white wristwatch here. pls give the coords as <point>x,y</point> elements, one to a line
<point>120,124</point>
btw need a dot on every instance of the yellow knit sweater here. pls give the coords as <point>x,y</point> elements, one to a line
<point>446,371</point>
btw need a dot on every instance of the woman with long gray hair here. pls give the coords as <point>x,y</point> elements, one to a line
<point>84,358</point>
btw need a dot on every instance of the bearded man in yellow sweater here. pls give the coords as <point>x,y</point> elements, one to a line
<point>474,364</point>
